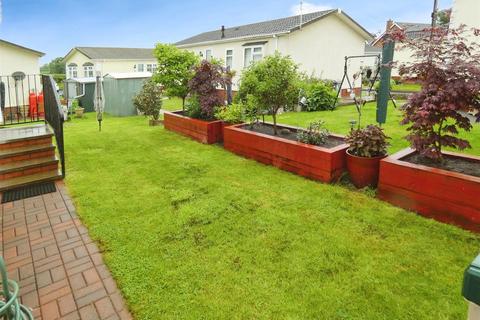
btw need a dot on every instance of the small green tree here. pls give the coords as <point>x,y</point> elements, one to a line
<point>272,82</point>
<point>174,70</point>
<point>149,100</point>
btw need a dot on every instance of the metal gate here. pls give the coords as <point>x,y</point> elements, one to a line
<point>21,98</point>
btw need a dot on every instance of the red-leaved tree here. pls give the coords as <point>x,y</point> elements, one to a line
<point>447,64</point>
<point>204,84</point>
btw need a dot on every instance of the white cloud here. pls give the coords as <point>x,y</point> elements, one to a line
<point>309,7</point>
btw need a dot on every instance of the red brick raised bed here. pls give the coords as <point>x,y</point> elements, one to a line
<point>203,131</point>
<point>439,194</point>
<point>323,164</point>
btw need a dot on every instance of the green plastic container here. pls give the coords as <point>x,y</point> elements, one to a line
<point>471,282</point>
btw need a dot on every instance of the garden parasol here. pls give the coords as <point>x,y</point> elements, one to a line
<point>99,101</point>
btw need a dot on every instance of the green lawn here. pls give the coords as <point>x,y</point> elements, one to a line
<point>194,232</point>
<point>337,121</point>
<point>407,87</point>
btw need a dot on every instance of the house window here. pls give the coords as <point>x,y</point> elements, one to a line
<point>72,70</point>
<point>252,54</point>
<point>88,70</point>
<point>208,54</point>
<point>229,58</point>
<point>151,67</point>
<point>140,67</point>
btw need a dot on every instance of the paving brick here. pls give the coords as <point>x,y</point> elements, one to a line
<point>57,265</point>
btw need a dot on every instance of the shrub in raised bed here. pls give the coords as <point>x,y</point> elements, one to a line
<point>426,179</point>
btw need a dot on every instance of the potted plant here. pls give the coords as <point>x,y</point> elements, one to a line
<point>269,85</point>
<point>149,101</point>
<point>367,147</point>
<point>198,120</point>
<point>425,178</point>
<point>77,109</point>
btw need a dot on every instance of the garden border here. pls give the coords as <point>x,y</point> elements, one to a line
<point>443,195</point>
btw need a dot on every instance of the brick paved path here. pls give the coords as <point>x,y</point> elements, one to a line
<point>59,269</point>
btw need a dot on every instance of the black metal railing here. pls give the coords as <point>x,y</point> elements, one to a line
<point>54,115</point>
<point>21,98</point>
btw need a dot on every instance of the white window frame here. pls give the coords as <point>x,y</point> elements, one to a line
<point>138,67</point>
<point>206,55</point>
<point>227,56</point>
<point>245,65</point>
<point>88,71</point>
<point>72,71</point>
<point>149,67</point>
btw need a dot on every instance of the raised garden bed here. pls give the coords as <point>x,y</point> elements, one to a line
<point>444,195</point>
<point>320,163</point>
<point>208,132</point>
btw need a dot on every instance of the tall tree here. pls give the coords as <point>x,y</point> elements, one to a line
<point>56,66</point>
<point>175,69</point>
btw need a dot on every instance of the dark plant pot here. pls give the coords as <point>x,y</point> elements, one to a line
<point>363,171</point>
<point>207,132</point>
<point>154,123</point>
<point>443,195</point>
<point>314,162</point>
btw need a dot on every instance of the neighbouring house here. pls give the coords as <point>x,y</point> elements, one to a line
<point>465,12</point>
<point>317,41</point>
<point>402,55</point>
<point>84,62</point>
<point>19,77</point>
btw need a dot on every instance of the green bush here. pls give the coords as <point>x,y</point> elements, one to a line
<point>193,109</point>
<point>316,133</point>
<point>377,85</point>
<point>232,114</point>
<point>149,99</point>
<point>320,97</point>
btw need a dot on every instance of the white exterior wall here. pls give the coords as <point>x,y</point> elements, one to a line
<point>466,12</point>
<point>319,48</point>
<point>15,59</point>
<point>104,66</point>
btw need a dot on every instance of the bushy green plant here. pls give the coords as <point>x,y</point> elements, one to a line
<point>273,83</point>
<point>320,97</point>
<point>377,85</point>
<point>193,108</point>
<point>149,99</point>
<point>174,69</point>
<point>232,114</point>
<point>316,133</point>
<point>368,142</point>
<point>75,105</point>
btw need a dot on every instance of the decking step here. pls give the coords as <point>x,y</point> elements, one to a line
<point>30,179</point>
<point>7,153</point>
<point>9,135</point>
<point>27,164</point>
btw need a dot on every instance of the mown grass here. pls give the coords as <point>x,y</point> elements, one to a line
<point>407,87</point>
<point>194,232</point>
<point>338,121</point>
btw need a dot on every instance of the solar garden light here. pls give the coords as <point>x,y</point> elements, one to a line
<point>352,124</point>
<point>471,289</point>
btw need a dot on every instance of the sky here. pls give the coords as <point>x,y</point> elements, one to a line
<point>56,26</point>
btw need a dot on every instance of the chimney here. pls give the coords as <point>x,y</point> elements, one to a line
<point>389,25</point>
<point>223,32</point>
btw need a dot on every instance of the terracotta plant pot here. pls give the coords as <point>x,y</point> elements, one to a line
<point>207,132</point>
<point>154,123</point>
<point>443,195</point>
<point>323,164</point>
<point>363,171</point>
<point>79,112</point>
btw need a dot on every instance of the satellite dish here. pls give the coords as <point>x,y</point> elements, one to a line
<point>18,75</point>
